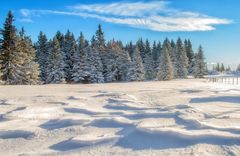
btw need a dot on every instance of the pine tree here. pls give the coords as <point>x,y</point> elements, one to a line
<point>166,71</point>
<point>82,42</point>
<point>190,54</point>
<point>136,69</point>
<point>100,38</point>
<point>148,62</point>
<point>11,56</point>
<point>130,48</point>
<point>116,62</point>
<point>96,62</point>
<point>94,42</point>
<point>123,63</point>
<point>222,68</point>
<point>60,37</point>
<point>141,46</point>
<point>238,68</point>
<point>218,69</point>
<point>181,60</point>
<point>172,49</point>
<point>200,66</point>
<point>30,68</point>
<point>42,55</point>
<point>89,69</point>
<point>69,48</point>
<point>156,51</point>
<point>56,64</point>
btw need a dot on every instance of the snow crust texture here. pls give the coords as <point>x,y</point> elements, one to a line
<point>180,117</point>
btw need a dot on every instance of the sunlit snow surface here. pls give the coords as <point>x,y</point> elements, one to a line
<point>181,117</point>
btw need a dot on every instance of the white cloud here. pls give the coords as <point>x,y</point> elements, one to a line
<point>154,15</point>
<point>124,8</point>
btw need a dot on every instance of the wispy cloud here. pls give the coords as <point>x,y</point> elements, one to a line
<point>154,15</point>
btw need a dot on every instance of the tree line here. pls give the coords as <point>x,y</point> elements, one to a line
<point>65,59</point>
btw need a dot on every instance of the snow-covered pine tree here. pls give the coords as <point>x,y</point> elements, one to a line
<point>77,58</point>
<point>82,42</point>
<point>136,69</point>
<point>69,48</point>
<point>60,38</point>
<point>218,69</point>
<point>123,63</point>
<point>100,38</point>
<point>172,48</point>
<point>238,68</point>
<point>109,65</point>
<point>56,64</point>
<point>89,69</point>
<point>166,71</point>
<point>199,65</point>
<point>88,66</point>
<point>141,46</point>
<point>94,42</point>
<point>130,48</point>
<point>181,60</point>
<point>190,55</point>
<point>97,65</point>
<point>156,51</point>
<point>148,62</point>
<point>222,68</point>
<point>30,68</point>
<point>82,69</point>
<point>169,46</point>
<point>42,55</point>
<point>11,56</point>
<point>115,63</point>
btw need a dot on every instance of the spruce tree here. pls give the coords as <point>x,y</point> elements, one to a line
<point>190,54</point>
<point>238,68</point>
<point>60,37</point>
<point>82,42</point>
<point>181,60</point>
<point>200,66</point>
<point>218,67</point>
<point>136,69</point>
<point>141,46</point>
<point>97,65</point>
<point>156,51</point>
<point>69,48</point>
<point>100,38</point>
<point>222,68</point>
<point>148,62</point>
<point>94,42</point>
<point>82,68</point>
<point>56,64</point>
<point>130,49</point>
<point>11,56</point>
<point>89,69</point>
<point>166,71</point>
<point>123,63</point>
<point>42,55</point>
<point>115,63</point>
<point>30,68</point>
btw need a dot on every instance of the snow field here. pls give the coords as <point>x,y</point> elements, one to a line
<point>183,117</point>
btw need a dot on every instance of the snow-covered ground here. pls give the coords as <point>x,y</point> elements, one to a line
<point>181,117</point>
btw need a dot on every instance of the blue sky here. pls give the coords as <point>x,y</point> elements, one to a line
<point>212,23</point>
